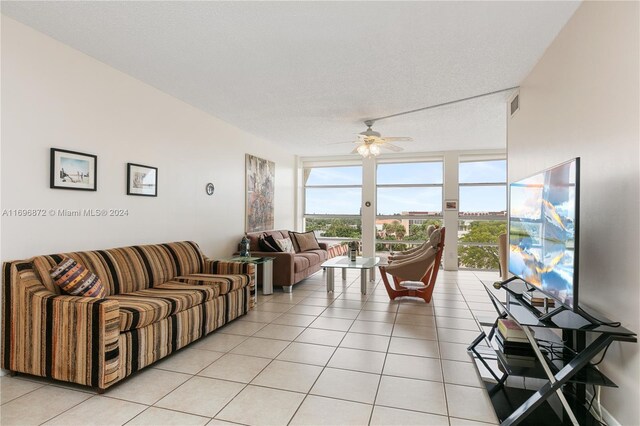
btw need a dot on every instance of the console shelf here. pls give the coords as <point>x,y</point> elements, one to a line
<point>562,365</point>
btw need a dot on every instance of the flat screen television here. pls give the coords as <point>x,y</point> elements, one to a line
<point>543,231</point>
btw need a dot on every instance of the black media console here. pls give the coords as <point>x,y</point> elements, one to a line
<point>565,343</point>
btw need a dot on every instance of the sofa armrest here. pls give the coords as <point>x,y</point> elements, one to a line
<point>68,338</point>
<point>212,266</point>
<point>324,246</point>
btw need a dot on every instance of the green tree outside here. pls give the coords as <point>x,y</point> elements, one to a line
<point>486,231</point>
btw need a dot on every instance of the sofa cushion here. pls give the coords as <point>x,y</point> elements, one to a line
<point>300,263</point>
<point>286,245</point>
<point>77,280</point>
<point>313,257</point>
<point>255,236</point>
<point>222,283</point>
<point>140,308</point>
<point>304,241</point>
<point>127,269</point>
<point>268,243</point>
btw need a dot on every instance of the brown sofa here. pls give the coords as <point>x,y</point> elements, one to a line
<point>159,298</point>
<point>288,268</point>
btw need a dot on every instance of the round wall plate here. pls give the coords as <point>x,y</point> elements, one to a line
<point>210,188</point>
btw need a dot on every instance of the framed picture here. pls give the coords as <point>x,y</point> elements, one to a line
<point>451,204</point>
<point>73,170</point>
<point>260,176</point>
<point>142,180</point>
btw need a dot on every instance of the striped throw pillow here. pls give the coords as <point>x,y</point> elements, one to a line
<point>77,280</point>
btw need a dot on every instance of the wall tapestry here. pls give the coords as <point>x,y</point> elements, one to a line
<point>260,177</point>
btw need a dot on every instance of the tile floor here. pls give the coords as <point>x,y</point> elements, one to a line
<point>307,358</point>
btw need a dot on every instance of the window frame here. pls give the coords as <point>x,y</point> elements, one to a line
<point>401,217</point>
<point>481,217</point>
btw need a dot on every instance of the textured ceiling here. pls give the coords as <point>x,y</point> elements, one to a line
<point>306,74</point>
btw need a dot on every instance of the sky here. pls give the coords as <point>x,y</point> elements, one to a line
<point>397,200</point>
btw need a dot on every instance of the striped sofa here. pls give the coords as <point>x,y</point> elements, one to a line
<point>159,298</point>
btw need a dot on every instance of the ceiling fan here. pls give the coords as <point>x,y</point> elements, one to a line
<point>369,142</point>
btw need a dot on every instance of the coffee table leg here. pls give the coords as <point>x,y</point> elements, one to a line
<point>344,274</point>
<point>363,280</point>
<point>330,279</point>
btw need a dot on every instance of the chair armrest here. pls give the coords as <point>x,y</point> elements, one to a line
<point>68,338</point>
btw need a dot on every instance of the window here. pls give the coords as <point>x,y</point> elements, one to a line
<point>482,212</point>
<point>409,199</point>
<point>332,199</point>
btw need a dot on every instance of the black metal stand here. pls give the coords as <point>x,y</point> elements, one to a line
<point>572,366</point>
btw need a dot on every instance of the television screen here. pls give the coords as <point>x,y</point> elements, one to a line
<point>543,231</point>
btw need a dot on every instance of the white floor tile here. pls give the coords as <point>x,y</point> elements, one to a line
<point>99,410</point>
<point>14,387</point>
<point>188,361</point>
<point>348,385</point>
<point>307,353</point>
<point>154,416</point>
<point>262,406</point>
<point>241,328</point>
<point>236,368</point>
<point>385,416</point>
<point>40,405</point>
<point>147,386</point>
<point>371,327</point>
<point>218,342</point>
<point>369,342</point>
<point>416,347</point>
<point>461,373</point>
<point>349,314</point>
<point>265,348</point>
<point>455,351</point>
<point>415,332</point>
<point>201,396</point>
<point>321,337</point>
<point>317,410</point>
<point>413,367</point>
<point>410,394</point>
<point>279,332</point>
<point>336,324</point>
<point>357,360</point>
<point>289,376</point>
<point>470,403</point>
<point>294,320</point>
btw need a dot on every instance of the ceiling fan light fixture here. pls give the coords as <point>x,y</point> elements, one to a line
<point>374,150</point>
<point>363,150</point>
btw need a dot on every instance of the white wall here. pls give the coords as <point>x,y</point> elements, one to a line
<point>582,99</point>
<point>54,96</point>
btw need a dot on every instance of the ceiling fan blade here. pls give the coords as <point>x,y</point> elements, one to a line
<point>355,150</point>
<point>399,139</point>
<point>390,147</point>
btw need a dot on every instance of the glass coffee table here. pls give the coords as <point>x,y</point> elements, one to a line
<point>365,264</point>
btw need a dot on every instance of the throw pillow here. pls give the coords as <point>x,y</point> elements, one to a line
<point>286,245</point>
<point>306,241</point>
<point>272,242</point>
<point>77,280</point>
<point>266,245</point>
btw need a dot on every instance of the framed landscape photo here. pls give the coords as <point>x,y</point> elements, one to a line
<point>451,205</point>
<point>142,180</point>
<point>73,170</point>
